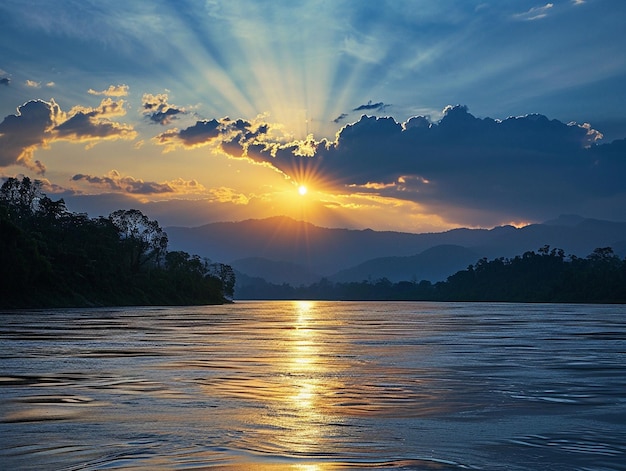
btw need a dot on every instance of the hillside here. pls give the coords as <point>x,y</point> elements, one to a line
<point>274,271</point>
<point>434,264</point>
<point>281,247</point>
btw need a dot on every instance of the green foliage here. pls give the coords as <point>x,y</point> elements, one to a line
<point>52,257</point>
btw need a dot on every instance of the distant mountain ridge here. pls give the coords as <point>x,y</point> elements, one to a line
<point>273,271</point>
<point>433,264</point>
<point>281,248</point>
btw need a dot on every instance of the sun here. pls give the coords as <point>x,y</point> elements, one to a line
<point>302,190</point>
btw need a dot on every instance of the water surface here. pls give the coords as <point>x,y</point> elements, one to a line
<point>315,386</point>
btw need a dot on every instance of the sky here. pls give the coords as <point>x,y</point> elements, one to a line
<point>414,116</point>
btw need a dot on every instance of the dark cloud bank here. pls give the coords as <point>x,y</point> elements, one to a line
<point>468,170</point>
<point>462,167</point>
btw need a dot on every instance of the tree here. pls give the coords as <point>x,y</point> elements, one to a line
<point>143,239</point>
<point>50,256</point>
<point>21,198</point>
<point>226,275</point>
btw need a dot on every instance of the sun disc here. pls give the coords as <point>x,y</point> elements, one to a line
<point>302,190</point>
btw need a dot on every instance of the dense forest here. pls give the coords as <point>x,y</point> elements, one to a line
<point>51,257</point>
<point>547,275</point>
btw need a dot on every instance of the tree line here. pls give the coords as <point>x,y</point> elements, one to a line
<point>545,275</point>
<point>52,257</point>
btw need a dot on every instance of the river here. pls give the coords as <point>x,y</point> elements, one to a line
<point>310,386</point>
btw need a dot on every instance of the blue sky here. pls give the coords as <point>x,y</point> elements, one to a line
<point>197,111</point>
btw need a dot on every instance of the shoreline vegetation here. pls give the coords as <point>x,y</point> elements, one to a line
<point>546,276</point>
<point>51,257</point>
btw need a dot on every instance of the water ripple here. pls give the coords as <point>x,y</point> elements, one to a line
<point>314,387</point>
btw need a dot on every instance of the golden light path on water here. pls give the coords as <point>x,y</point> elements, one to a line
<point>300,412</point>
<point>305,371</point>
<point>301,386</point>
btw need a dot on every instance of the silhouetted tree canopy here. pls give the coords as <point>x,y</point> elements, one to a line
<point>547,275</point>
<point>50,257</point>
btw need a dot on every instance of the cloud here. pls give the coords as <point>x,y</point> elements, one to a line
<point>94,124</point>
<point>235,136</point>
<point>461,167</point>
<point>467,169</point>
<point>113,90</point>
<point>5,81</point>
<point>108,108</point>
<point>158,110</point>
<point>22,133</point>
<point>32,84</point>
<point>228,195</point>
<point>371,106</point>
<point>364,48</point>
<point>39,123</point>
<point>115,181</point>
<point>535,13</point>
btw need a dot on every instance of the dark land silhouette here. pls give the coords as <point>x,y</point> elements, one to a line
<point>283,250</point>
<point>51,257</point>
<point>547,275</point>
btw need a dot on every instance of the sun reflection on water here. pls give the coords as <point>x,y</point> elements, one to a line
<point>302,417</point>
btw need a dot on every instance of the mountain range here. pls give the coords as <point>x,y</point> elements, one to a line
<point>283,250</point>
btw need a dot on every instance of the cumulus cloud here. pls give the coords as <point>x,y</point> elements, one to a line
<point>158,110</point>
<point>85,124</point>
<point>113,90</point>
<point>5,81</point>
<point>235,136</point>
<point>467,169</point>
<point>32,84</point>
<point>39,123</point>
<point>115,181</point>
<point>22,133</point>
<point>525,167</point>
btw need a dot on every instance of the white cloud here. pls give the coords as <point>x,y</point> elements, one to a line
<point>535,13</point>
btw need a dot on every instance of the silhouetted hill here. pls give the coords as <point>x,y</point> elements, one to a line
<point>578,239</point>
<point>321,250</point>
<point>565,220</point>
<point>329,251</point>
<point>275,271</point>
<point>434,264</point>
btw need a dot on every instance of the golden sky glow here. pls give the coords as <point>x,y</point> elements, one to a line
<point>237,105</point>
